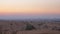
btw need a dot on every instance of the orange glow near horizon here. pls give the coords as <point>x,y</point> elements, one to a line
<point>30,7</point>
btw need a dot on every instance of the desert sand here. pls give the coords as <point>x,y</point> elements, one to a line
<point>29,27</point>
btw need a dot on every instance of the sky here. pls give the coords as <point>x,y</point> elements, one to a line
<point>15,9</point>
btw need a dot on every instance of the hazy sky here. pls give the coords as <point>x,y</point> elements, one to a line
<point>28,8</point>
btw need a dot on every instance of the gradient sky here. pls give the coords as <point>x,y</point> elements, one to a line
<point>29,8</point>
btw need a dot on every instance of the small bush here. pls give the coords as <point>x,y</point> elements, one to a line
<point>29,27</point>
